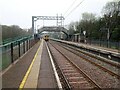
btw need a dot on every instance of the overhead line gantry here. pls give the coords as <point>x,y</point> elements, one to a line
<point>59,20</point>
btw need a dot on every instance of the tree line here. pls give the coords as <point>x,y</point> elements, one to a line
<point>105,27</point>
<point>13,31</point>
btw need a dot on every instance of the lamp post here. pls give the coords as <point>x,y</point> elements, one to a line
<point>108,37</point>
<point>37,28</point>
<point>100,34</point>
<point>100,38</point>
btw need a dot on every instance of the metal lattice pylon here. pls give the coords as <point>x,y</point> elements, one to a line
<point>60,20</point>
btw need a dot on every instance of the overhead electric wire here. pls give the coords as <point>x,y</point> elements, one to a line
<point>74,9</point>
<point>70,6</point>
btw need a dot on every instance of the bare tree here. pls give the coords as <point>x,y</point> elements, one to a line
<point>88,16</point>
<point>111,13</point>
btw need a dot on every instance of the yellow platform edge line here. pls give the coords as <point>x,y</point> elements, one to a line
<point>28,71</point>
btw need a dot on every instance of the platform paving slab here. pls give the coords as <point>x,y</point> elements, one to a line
<point>13,77</point>
<point>46,74</point>
<point>32,78</point>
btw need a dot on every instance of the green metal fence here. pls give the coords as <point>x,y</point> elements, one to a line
<point>13,50</point>
<point>9,40</point>
<point>111,44</point>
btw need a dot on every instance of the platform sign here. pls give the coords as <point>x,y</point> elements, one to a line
<point>84,32</point>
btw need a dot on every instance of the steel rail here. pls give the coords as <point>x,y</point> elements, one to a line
<point>60,73</point>
<point>101,67</point>
<point>80,70</point>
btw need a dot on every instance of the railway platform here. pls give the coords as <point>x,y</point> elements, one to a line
<point>33,70</point>
<point>94,47</point>
<point>54,65</point>
<point>101,51</point>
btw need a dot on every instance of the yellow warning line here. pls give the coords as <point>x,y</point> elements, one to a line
<point>28,71</point>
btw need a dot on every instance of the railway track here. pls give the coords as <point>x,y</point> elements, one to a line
<point>112,68</point>
<point>103,78</point>
<point>72,74</point>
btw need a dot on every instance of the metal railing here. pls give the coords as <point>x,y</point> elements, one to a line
<point>15,49</point>
<point>11,39</point>
<point>111,44</point>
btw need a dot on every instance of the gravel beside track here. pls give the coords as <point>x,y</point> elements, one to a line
<point>75,77</point>
<point>113,68</point>
<point>104,79</point>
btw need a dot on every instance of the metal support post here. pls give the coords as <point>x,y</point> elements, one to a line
<point>11,52</point>
<point>61,20</point>
<point>27,45</point>
<point>77,38</point>
<point>108,37</point>
<point>19,48</point>
<point>33,24</point>
<point>23,46</point>
<point>57,20</point>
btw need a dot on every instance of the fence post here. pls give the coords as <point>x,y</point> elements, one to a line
<point>23,46</point>
<point>19,47</point>
<point>11,52</point>
<point>118,46</point>
<point>27,45</point>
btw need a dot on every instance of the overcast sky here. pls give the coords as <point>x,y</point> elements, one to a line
<point>20,12</point>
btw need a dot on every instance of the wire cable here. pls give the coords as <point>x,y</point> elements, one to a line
<point>74,8</point>
<point>70,6</point>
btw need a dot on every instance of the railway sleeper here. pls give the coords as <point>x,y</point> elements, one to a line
<point>81,85</point>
